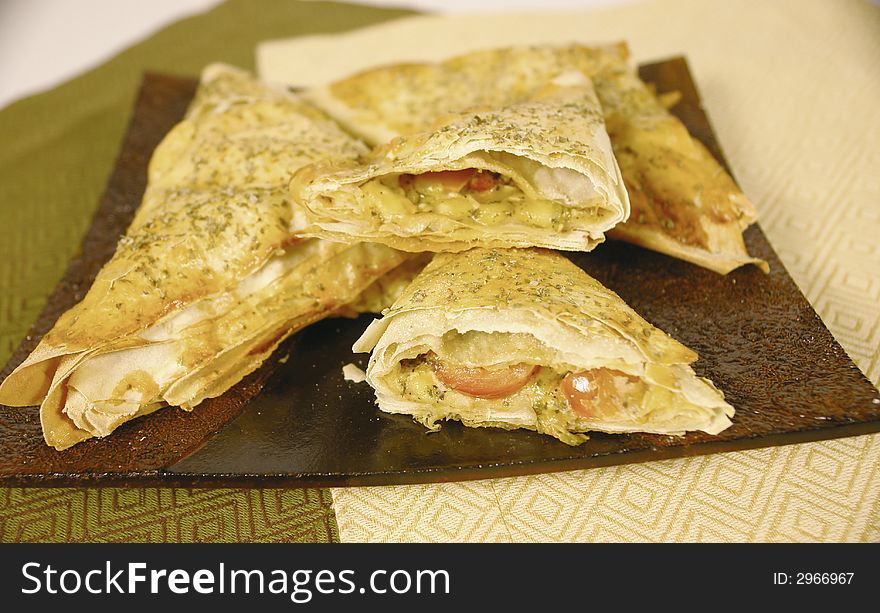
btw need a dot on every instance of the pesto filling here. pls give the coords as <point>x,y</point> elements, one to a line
<point>540,403</point>
<point>392,197</point>
<point>613,396</point>
<point>541,400</point>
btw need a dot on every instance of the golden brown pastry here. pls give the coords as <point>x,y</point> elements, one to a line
<point>210,276</point>
<point>538,171</point>
<point>684,204</point>
<point>514,338</point>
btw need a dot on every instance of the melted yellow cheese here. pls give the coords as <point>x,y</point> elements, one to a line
<point>540,404</point>
<point>505,204</point>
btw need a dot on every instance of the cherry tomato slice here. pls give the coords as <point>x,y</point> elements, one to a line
<point>453,180</point>
<point>483,382</point>
<point>482,181</point>
<point>592,393</point>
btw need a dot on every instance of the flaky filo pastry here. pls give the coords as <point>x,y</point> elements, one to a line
<point>514,338</point>
<point>385,290</point>
<point>684,203</point>
<point>210,276</point>
<point>535,172</point>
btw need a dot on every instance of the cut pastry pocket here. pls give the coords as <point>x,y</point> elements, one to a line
<point>539,172</point>
<point>516,338</point>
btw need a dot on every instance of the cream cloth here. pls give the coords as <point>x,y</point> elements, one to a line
<point>793,91</point>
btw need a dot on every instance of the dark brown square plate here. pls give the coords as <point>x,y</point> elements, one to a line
<point>298,423</point>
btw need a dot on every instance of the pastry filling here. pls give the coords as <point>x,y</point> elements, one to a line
<point>591,394</point>
<point>538,391</point>
<point>470,197</point>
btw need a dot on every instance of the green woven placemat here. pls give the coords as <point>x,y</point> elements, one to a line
<point>173,515</point>
<point>57,151</point>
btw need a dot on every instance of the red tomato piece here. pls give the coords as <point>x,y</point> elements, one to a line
<point>482,181</point>
<point>453,180</point>
<point>592,393</point>
<point>483,382</point>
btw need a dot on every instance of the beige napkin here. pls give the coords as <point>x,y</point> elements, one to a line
<point>792,89</point>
